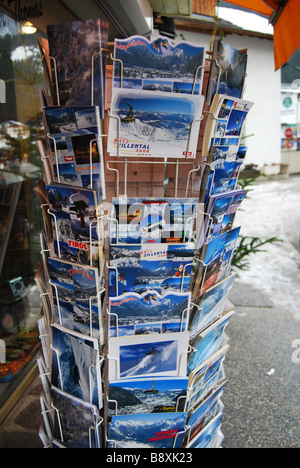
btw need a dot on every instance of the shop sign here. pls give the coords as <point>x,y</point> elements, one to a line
<point>24,9</point>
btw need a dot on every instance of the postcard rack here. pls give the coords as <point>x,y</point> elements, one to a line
<point>133,336</point>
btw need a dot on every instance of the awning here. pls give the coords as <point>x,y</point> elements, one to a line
<point>286,20</point>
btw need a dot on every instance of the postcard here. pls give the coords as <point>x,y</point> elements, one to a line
<point>75,212</point>
<point>226,123</point>
<point>209,305</point>
<point>149,313</point>
<point>155,267</point>
<point>147,430</point>
<point>215,262</point>
<point>156,395</point>
<point>159,65</point>
<point>228,71</point>
<point>208,342</point>
<point>148,356</point>
<point>76,296</point>
<point>206,438</point>
<point>203,414</point>
<point>76,47</point>
<point>146,124</point>
<point>206,378</point>
<point>152,220</point>
<point>222,209</point>
<point>77,152</point>
<point>76,423</point>
<point>76,366</point>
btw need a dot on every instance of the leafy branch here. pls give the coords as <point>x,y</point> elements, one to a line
<point>250,245</point>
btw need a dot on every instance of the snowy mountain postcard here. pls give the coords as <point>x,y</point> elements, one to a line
<point>74,213</point>
<point>228,71</point>
<point>73,46</point>
<point>206,438</point>
<point>146,124</point>
<point>148,313</point>
<point>148,355</point>
<point>222,208</point>
<point>139,396</point>
<point>76,149</point>
<point>76,297</point>
<point>75,421</point>
<point>76,365</point>
<point>139,220</point>
<point>159,65</point>
<point>156,267</point>
<point>147,430</point>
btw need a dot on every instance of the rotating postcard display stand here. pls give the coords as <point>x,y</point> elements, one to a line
<point>134,292</point>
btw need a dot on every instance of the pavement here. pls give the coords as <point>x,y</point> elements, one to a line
<point>261,398</point>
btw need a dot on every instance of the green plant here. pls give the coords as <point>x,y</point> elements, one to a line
<point>249,245</point>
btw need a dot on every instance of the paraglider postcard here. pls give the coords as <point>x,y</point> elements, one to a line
<point>159,65</point>
<point>148,395</point>
<point>140,314</point>
<point>162,355</point>
<point>146,124</point>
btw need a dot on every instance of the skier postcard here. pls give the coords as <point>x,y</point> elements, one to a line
<point>149,313</point>
<point>152,220</point>
<point>156,267</point>
<point>207,343</point>
<point>159,65</point>
<point>163,355</point>
<point>75,216</point>
<point>76,297</point>
<point>210,305</point>
<point>147,430</point>
<point>80,66</point>
<point>76,365</point>
<point>147,124</point>
<point>77,152</point>
<point>76,423</point>
<point>156,395</point>
<point>228,71</point>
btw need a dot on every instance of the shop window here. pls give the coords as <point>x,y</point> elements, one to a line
<point>21,78</point>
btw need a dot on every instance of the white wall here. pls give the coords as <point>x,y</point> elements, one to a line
<point>263,87</point>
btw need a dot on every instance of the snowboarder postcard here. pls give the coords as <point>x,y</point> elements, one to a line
<point>155,267</point>
<point>207,343</point>
<point>149,313</point>
<point>147,431</point>
<point>76,423</point>
<point>205,378</point>
<point>139,396</point>
<point>216,261</point>
<point>76,296</point>
<point>159,65</point>
<point>152,220</point>
<point>209,305</point>
<point>228,71</point>
<point>76,47</point>
<point>76,365</point>
<point>146,124</point>
<point>75,222</point>
<point>162,355</point>
<point>226,123</point>
<point>77,153</point>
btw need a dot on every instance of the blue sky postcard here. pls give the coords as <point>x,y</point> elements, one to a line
<point>156,267</point>
<point>149,313</point>
<point>206,438</point>
<point>145,124</point>
<point>147,430</point>
<point>159,65</point>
